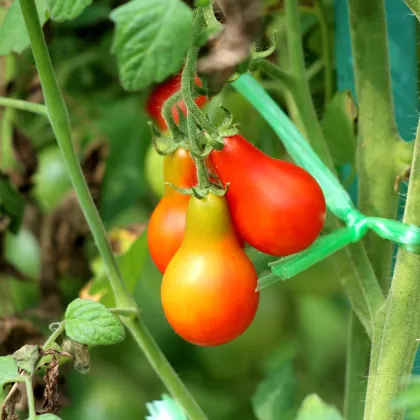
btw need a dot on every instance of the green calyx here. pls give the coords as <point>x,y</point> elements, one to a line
<point>200,192</point>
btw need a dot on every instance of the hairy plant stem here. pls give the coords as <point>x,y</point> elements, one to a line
<point>363,282</point>
<point>167,114</point>
<point>414,5</point>
<point>357,366</point>
<point>397,324</point>
<point>327,58</point>
<point>194,114</point>
<point>59,120</point>
<point>378,139</point>
<point>302,92</point>
<point>53,337</point>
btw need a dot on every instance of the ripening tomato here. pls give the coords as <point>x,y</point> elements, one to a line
<point>153,165</point>
<point>208,289</point>
<point>276,206</point>
<point>164,91</point>
<point>52,181</point>
<point>167,223</point>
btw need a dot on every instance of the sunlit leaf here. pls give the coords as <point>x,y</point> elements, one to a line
<point>89,322</point>
<point>151,40</point>
<point>62,10</point>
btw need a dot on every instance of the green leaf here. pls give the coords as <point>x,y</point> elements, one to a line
<point>62,10</point>
<point>131,264</point>
<point>27,357</point>
<point>48,416</point>
<point>151,40</point>
<point>338,125</point>
<point>13,34</point>
<point>8,371</point>
<point>89,322</point>
<point>313,408</point>
<point>274,396</point>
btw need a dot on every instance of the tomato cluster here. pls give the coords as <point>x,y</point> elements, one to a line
<point>209,285</point>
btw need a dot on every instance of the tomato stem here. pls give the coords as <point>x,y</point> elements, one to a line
<point>396,323</point>
<point>24,106</point>
<point>168,117</point>
<point>194,114</point>
<point>59,119</point>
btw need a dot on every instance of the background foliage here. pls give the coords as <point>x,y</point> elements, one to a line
<point>296,344</point>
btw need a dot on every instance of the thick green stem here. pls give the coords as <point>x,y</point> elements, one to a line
<point>327,58</point>
<point>163,368</point>
<point>31,400</point>
<point>194,114</point>
<point>357,366</point>
<point>24,106</point>
<point>302,92</point>
<point>59,119</point>
<point>377,130</point>
<point>397,325</point>
<point>414,5</point>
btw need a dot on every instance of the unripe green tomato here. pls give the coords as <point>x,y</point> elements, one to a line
<point>51,180</point>
<point>154,171</point>
<point>22,250</point>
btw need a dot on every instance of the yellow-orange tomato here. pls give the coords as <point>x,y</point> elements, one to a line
<point>208,289</point>
<point>167,223</point>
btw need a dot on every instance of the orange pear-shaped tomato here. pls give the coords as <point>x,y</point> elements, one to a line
<point>167,223</point>
<point>276,206</point>
<point>208,289</point>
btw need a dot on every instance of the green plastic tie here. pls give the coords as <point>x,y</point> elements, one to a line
<point>337,199</point>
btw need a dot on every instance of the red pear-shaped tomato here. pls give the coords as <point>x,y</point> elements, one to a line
<point>276,206</point>
<point>164,91</point>
<point>208,289</point>
<point>167,223</point>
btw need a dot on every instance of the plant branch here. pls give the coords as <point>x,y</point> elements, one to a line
<point>414,5</point>
<point>378,137</point>
<point>30,396</point>
<point>394,344</point>
<point>59,120</point>
<point>53,337</point>
<point>161,365</point>
<point>194,113</point>
<point>327,58</point>
<point>302,92</point>
<point>209,17</point>
<point>357,365</point>
<point>24,106</point>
